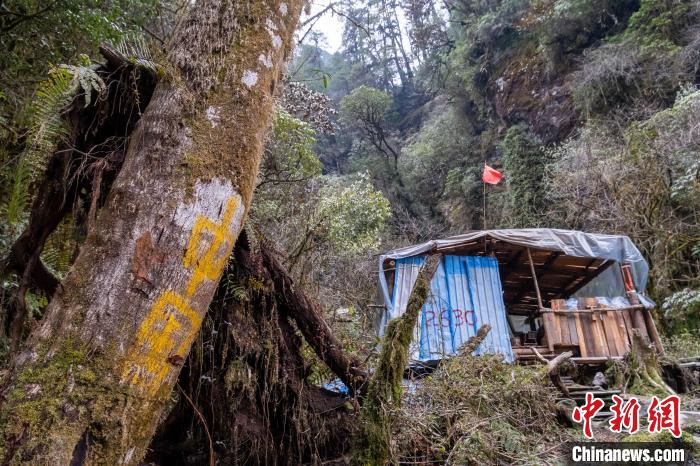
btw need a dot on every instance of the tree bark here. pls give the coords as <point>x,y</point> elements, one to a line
<point>96,375</point>
<point>70,181</point>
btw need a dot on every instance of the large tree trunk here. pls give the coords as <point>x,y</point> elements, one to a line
<point>96,375</point>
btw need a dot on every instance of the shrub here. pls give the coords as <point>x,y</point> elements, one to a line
<point>606,77</point>
<point>524,163</point>
<point>682,309</point>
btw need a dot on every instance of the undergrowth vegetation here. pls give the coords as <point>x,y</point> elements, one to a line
<point>479,410</point>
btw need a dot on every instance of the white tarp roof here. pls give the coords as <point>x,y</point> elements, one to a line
<point>572,243</point>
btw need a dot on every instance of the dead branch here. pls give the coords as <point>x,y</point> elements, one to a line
<point>553,368</point>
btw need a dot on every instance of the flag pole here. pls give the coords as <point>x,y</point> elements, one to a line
<point>484,198</point>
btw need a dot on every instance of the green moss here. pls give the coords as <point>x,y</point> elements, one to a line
<point>372,442</point>
<point>43,392</point>
<point>238,378</point>
<point>656,25</point>
<point>686,439</point>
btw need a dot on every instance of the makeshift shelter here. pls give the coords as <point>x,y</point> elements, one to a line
<point>554,290</point>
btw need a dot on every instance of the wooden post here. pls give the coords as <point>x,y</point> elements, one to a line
<point>534,279</point>
<point>484,207</point>
<point>641,316</point>
<point>547,321</point>
<point>653,333</point>
<point>631,291</point>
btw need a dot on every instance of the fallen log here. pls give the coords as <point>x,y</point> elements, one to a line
<point>307,315</point>
<point>372,440</point>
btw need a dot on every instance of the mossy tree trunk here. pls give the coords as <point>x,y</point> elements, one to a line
<point>371,444</point>
<point>96,375</point>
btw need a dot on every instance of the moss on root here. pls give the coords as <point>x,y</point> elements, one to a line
<point>62,398</point>
<point>38,397</point>
<point>685,441</point>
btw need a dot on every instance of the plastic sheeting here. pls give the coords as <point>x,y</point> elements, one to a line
<point>465,293</point>
<point>573,243</point>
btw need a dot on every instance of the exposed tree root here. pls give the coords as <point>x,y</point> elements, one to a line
<point>644,367</point>
<point>294,303</point>
<point>639,372</point>
<point>248,378</point>
<point>78,174</point>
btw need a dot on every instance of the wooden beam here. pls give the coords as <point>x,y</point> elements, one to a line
<point>593,310</point>
<point>534,279</point>
<point>524,288</point>
<point>653,333</point>
<point>596,359</point>
<point>508,267</point>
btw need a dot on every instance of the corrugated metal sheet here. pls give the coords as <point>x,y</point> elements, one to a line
<point>465,294</point>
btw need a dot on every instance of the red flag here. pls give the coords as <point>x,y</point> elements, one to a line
<point>491,175</point>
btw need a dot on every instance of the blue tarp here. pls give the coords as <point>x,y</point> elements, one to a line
<point>572,243</point>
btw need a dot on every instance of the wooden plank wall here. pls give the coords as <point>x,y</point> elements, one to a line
<point>599,333</point>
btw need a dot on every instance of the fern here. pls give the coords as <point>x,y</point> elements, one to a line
<point>136,50</point>
<point>60,247</point>
<point>46,129</point>
<point>16,178</point>
<point>47,126</point>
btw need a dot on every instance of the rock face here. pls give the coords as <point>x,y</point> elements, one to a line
<point>523,93</point>
<point>527,77</point>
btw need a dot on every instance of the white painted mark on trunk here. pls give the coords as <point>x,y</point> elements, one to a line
<point>272,30</point>
<point>276,41</point>
<point>265,60</point>
<point>213,116</point>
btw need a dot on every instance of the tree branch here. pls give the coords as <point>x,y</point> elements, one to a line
<point>308,316</point>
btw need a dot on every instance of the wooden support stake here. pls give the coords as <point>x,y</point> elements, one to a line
<point>548,324</point>
<point>534,279</point>
<point>653,333</point>
<point>628,280</point>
